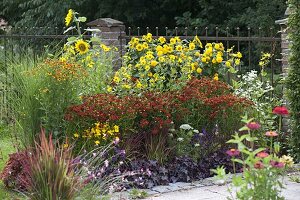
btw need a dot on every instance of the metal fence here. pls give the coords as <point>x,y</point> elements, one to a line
<point>29,47</point>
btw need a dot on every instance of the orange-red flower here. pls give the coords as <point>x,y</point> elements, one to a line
<point>262,154</point>
<point>280,110</point>
<point>233,152</point>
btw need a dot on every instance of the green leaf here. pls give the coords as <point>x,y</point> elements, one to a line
<point>244,128</point>
<point>95,39</point>
<point>258,150</point>
<point>92,30</point>
<point>72,39</point>
<point>69,29</point>
<point>82,19</point>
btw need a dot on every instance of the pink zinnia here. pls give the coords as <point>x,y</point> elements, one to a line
<point>276,164</point>
<point>262,154</point>
<point>253,125</point>
<point>280,110</point>
<point>271,134</point>
<point>258,165</point>
<point>233,152</point>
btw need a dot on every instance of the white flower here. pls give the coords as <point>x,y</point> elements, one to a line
<point>197,145</point>
<point>185,127</point>
<point>180,139</point>
<point>195,131</point>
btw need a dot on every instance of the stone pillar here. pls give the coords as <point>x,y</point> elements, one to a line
<point>284,57</point>
<point>112,33</point>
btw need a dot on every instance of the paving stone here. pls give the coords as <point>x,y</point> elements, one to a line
<point>182,184</point>
<point>173,187</point>
<point>161,189</point>
<point>207,182</point>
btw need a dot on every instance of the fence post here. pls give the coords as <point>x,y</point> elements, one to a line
<point>284,58</point>
<point>112,34</point>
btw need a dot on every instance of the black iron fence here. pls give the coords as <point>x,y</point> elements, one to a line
<point>30,47</point>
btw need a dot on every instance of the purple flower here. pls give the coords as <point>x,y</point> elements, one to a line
<point>253,125</point>
<point>233,152</point>
<point>277,164</point>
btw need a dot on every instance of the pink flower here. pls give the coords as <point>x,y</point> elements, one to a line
<point>253,125</point>
<point>280,110</point>
<point>271,134</point>
<point>233,152</point>
<point>276,164</point>
<point>258,165</point>
<point>262,154</point>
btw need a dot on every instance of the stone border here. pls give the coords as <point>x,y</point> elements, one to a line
<point>180,186</point>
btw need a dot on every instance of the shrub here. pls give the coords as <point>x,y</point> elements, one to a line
<point>157,64</point>
<point>203,103</point>
<point>15,174</point>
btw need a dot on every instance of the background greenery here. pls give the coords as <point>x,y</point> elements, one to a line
<point>243,13</point>
<point>293,81</point>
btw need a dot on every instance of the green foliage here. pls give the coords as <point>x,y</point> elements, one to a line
<point>262,172</point>
<point>293,80</point>
<point>207,13</point>
<point>138,194</point>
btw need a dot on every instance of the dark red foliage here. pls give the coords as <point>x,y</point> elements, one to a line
<point>15,174</point>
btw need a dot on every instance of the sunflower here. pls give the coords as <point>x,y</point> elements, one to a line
<point>82,47</point>
<point>69,17</point>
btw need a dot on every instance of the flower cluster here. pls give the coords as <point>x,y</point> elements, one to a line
<point>63,70</point>
<point>158,64</point>
<point>100,134</point>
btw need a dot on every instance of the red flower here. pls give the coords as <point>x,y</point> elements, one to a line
<point>258,165</point>
<point>280,110</point>
<point>262,154</point>
<point>276,164</point>
<point>144,123</point>
<point>271,134</point>
<point>253,125</point>
<point>233,152</point>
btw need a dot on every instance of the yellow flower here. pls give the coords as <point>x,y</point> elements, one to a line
<point>145,45</point>
<point>192,46</point>
<point>199,70</point>
<point>208,45</point>
<point>139,47</point>
<point>237,61</point>
<point>197,41</point>
<point>116,79</point>
<point>69,17</point>
<point>139,84</point>
<point>177,39</point>
<point>197,54</point>
<point>173,41</point>
<point>287,160</point>
<point>105,48</point>
<point>217,46</point>
<point>65,145</point>
<point>219,59</point>
<point>203,59</point>
<point>214,61</point>
<point>228,64</point>
<point>161,59</point>
<point>153,63</point>
<point>147,67</point>
<point>239,55</point>
<point>216,77</point>
<point>116,128</point>
<point>82,47</point>
<point>97,142</point>
<point>109,89</point>
<point>76,135</point>
<point>126,86</point>
<point>150,74</point>
<point>179,48</point>
<point>162,40</point>
<point>172,57</point>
